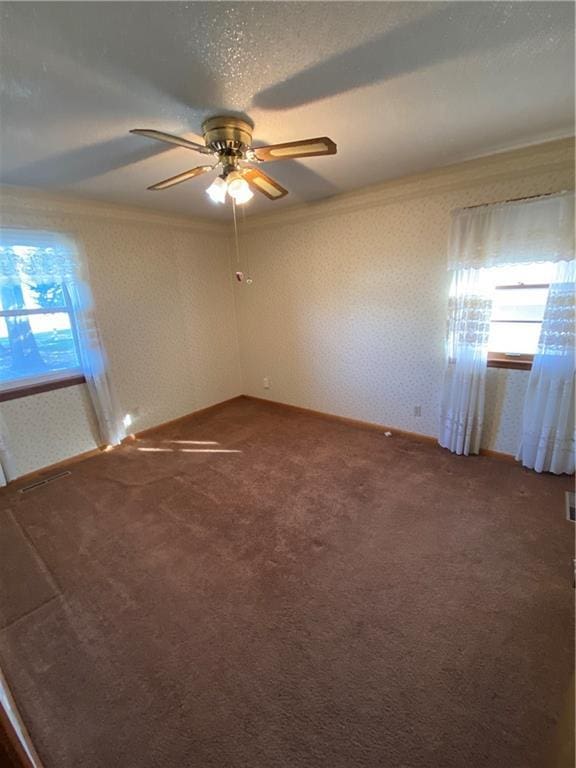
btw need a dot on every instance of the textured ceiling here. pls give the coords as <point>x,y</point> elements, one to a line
<point>401,87</point>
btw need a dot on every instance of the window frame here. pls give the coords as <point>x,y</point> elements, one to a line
<point>518,361</point>
<point>35,385</point>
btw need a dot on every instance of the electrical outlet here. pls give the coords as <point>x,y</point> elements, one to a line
<point>266,382</point>
<point>417,410</point>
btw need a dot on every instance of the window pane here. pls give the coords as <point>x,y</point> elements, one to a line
<point>519,303</point>
<point>32,294</point>
<point>514,337</point>
<point>36,345</point>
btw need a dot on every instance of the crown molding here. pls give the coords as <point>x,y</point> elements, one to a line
<point>23,200</point>
<point>515,164</point>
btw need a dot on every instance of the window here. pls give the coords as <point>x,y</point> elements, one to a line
<point>38,340</point>
<point>518,301</point>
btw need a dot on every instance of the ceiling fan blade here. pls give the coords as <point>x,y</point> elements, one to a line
<point>170,139</point>
<point>293,149</point>
<point>262,183</point>
<point>198,171</point>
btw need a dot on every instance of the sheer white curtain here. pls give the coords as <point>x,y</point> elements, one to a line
<point>503,234</point>
<point>52,258</point>
<point>6,471</point>
<point>93,360</point>
<point>482,239</point>
<point>462,406</point>
<point>547,443</point>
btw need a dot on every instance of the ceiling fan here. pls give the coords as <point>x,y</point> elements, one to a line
<point>229,141</point>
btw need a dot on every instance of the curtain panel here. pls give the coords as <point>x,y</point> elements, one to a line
<point>6,470</point>
<point>547,442</point>
<point>462,405</point>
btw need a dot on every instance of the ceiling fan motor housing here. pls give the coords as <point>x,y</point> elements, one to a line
<point>229,135</point>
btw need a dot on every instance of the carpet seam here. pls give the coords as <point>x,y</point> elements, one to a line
<point>43,565</point>
<point>39,607</point>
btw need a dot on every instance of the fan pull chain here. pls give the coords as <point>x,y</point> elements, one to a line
<point>236,243</point>
<point>239,272</point>
<point>248,273</point>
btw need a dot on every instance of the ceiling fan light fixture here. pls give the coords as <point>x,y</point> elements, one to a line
<point>243,195</point>
<point>238,188</point>
<point>217,190</point>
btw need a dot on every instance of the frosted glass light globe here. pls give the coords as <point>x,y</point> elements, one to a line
<point>217,190</point>
<point>239,189</point>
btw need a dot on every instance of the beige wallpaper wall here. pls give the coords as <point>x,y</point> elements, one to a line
<point>164,298</point>
<point>346,312</point>
<point>347,309</point>
<point>44,429</point>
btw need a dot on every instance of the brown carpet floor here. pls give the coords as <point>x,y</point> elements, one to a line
<point>269,589</point>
